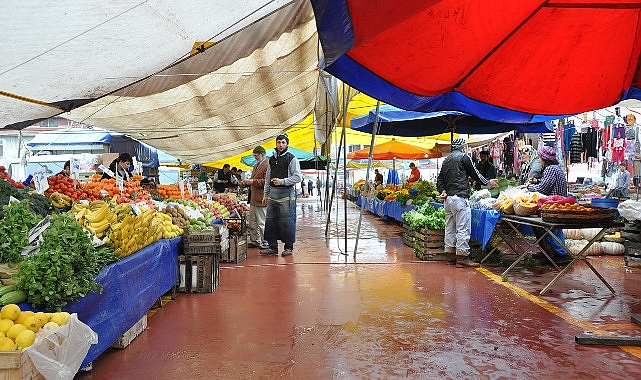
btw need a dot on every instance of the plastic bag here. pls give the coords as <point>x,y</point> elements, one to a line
<point>60,354</point>
<point>630,210</point>
<point>559,199</point>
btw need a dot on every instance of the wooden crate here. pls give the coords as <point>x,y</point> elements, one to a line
<point>408,235</point>
<point>429,245</point>
<point>16,365</point>
<point>131,334</point>
<point>206,248</point>
<point>218,233</point>
<point>198,273</point>
<point>430,238</point>
<point>237,226</point>
<point>237,251</point>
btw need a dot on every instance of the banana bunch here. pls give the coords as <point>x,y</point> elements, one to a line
<point>95,217</point>
<point>526,201</point>
<point>59,200</point>
<point>133,232</point>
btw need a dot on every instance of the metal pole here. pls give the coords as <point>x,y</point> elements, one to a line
<point>369,167</point>
<point>338,160</point>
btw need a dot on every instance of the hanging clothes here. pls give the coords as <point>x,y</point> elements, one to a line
<point>590,139</point>
<point>568,131</point>
<point>508,152</point>
<point>576,149</point>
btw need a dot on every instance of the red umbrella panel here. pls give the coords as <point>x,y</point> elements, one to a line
<point>500,60</point>
<point>394,149</point>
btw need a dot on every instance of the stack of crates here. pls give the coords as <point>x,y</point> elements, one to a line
<point>237,251</point>
<point>199,271</point>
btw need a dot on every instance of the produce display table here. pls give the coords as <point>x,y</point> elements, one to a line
<point>483,221</point>
<point>130,288</point>
<point>515,221</point>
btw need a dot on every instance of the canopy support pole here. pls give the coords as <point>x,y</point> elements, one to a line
<point>367,184</point>
<point>338,159</point>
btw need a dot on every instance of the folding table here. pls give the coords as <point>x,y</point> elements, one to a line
<point>513,221</point>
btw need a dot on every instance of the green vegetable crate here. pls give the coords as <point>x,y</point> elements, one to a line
<point>408,235</point>
<point>429,245</point>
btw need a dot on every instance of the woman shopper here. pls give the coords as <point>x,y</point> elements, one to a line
<point>531,166</point>
<point>552,182</point>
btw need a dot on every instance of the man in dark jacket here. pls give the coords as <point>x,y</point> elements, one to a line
<point>224,179</point>
<point>485,168</point>
<point>453,183</point>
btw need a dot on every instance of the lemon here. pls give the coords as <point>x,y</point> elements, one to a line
<point>32,323</point>
<point>42,318</point>
<point>25,339</point>
<point>4,325</point>
<point>23,316</point>
<point>60,318</point>
<point>6,344</point>
<point>10,311</point>
<point>15,330</point>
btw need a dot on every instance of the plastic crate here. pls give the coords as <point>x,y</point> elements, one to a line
<point>198,273</point>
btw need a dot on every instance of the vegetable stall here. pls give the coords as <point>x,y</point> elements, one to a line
<point>100,250</point>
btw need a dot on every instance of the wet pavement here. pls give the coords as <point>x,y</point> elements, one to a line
<point>323,314</point>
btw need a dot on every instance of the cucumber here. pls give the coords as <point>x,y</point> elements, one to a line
<point>6,289</point>
<point>15,296</point>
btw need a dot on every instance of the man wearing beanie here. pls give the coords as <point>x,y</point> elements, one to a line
<point>453,183</point>
<point>283,173</point>
<point>257,208</point>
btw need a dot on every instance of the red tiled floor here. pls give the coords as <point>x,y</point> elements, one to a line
<point>321,314</point>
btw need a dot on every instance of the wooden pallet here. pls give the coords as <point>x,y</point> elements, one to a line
<point>131,334</point>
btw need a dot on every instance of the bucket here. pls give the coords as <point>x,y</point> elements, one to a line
<point>606,202</point>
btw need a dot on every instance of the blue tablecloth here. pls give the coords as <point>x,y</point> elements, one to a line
<point>130,287</point>
<point>483,221</point>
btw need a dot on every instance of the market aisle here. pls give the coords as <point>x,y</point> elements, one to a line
<point>314,316</point>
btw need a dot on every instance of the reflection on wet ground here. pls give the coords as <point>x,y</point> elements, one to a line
<point>323,313</point>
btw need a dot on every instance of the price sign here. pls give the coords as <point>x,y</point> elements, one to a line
<point>209,199</point>
<point>75,168</point>
<point>135,209</point>
<point>40,180</point>
<point>202,188</point>
<point>137,165</point>
<point>121,183</point>
<point>106,170</point>
<point>181,183</point>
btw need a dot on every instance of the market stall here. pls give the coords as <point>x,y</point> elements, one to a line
<point>514,221</point>
<point>130,287</point>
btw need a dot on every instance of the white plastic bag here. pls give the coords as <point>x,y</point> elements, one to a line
<point>630,210</point>
<point>60,354</point>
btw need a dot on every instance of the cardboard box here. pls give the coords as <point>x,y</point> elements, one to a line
<point>16,365</point>
<point>131,334</point>
<point>107,158</point>
<point>198,273</point>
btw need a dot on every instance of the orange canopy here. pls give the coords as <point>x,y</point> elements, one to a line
<point>394,149</point>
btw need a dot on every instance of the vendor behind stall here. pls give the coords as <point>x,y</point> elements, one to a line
<point>553,182</point>
<point>66,170</point>
<point>121,166</point>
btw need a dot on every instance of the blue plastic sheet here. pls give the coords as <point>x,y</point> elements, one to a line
<point>130,288</point>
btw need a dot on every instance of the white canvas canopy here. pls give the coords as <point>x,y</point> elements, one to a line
<point>201,80</point>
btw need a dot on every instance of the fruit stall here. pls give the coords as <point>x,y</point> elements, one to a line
<point>104,253</point>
